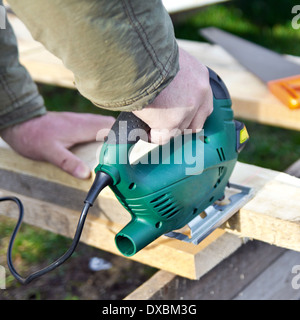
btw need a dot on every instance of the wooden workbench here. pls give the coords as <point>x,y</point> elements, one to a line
<point>53,201</point>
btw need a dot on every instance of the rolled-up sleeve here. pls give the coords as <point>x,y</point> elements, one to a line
<point>123,53</point>
<point>19,96</point>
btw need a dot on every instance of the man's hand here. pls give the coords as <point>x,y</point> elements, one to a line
<point>48,138</point>
<point>184,104</point>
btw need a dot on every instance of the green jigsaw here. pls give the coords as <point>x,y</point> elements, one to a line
<point>167,186</point>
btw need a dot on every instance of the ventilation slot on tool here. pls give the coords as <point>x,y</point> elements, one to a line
<point>172,213</point>
<point>137,208</point>
<point>158,198</point>
<point>221,169</point>
<point>165,206</point>
<point>169,211</point>
<point>221,154</point>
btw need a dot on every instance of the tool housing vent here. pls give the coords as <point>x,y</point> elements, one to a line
<point>165,206</point>
<point>221,154</point>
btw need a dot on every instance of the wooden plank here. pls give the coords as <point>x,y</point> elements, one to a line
<point>272,216</point>
<point>53,200</point>
<point>175,6</point>
<point>276,200</point>
<point>278,282</point>
<point>251,98</point>
<point>224,282</point>
<point>166,254</point>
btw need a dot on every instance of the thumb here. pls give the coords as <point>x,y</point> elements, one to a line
<point>70,163</point>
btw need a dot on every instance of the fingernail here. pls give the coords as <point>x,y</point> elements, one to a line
<point>82,172</point>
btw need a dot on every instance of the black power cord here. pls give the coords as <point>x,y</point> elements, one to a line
<point>101,181</point>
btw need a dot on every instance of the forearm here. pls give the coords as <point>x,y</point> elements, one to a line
<point>19,97</point>
<point>123,53</point>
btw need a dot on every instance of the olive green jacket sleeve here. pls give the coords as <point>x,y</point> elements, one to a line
<point>122,52</point>
<point>19,97</point>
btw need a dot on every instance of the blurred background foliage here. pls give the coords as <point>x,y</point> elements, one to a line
<point>266,22</point>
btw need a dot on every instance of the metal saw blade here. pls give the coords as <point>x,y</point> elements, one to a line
<point>264,63</point>
<point>215,215</point>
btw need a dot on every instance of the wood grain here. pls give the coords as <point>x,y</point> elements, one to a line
<point>273,215</point>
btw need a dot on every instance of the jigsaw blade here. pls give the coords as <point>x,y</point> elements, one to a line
<point>215,215</point>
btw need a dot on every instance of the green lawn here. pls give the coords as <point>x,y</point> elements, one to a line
<point>265,22</point>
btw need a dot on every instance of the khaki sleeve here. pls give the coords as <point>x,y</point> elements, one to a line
<point>19,97</point>
<point>122,52</point>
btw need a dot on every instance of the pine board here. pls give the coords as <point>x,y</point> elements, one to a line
<point>53,200</point>
<point>273,215</point>
<point>225,282</point>
<point>177,6</point>
<point>278,282</point>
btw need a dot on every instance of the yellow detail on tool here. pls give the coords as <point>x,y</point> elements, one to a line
<point>244,136</point>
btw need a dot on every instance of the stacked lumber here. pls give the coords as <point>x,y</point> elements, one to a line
<point>53,201</point>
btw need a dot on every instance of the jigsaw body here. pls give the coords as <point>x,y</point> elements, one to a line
<point>166,194</point>
<point>166,188</point>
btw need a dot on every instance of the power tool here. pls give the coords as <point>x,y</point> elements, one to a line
<point>172,185</point>
<point>172,192</point>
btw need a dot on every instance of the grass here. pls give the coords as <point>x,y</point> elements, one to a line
<point>260,21</point>
<point>33,248</point>
<point>271,147</point>
<point>32,244</point>
<point>241,18</point>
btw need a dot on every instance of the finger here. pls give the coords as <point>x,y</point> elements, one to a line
<point>68,162</point>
